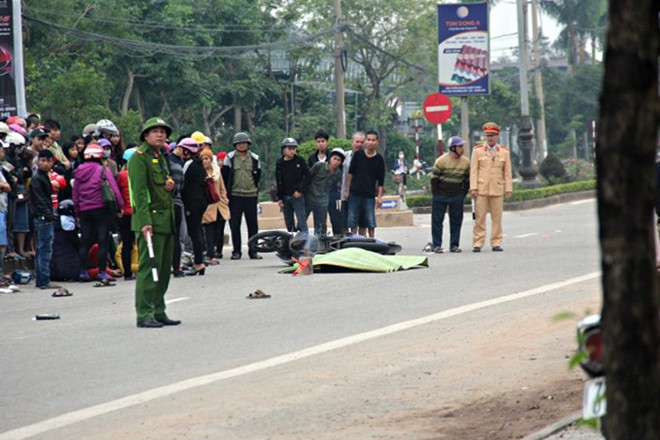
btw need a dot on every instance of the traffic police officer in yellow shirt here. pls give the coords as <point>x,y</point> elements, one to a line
<point>490,181</point>
<point>151,189</point>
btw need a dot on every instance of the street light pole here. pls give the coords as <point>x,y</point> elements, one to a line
<point>528,170</point>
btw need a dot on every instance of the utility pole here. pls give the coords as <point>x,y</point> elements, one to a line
<point>340,104</point>
<point>465,126</point>
<point>528,170</point>
<point>538,84</point>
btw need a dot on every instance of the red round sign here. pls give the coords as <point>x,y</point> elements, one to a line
<point>437,108</point>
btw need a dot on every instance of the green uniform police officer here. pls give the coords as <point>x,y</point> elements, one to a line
<point>153,214</point>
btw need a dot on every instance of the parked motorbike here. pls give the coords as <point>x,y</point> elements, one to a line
<point>591,351</point>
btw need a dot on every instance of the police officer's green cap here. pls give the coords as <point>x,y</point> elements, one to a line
<point>155,122</point>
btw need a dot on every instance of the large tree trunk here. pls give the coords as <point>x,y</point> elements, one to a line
<point>628,128</point>
<point>129,89</point>
<point>238,117</point>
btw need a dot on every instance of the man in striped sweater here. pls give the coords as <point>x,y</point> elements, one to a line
<point>449,184</point>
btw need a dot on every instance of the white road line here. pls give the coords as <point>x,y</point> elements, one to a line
<point>167,390</point>
<point>526,235</point>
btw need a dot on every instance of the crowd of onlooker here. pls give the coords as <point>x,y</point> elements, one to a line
<point>66,208</point>
<point>46,180</point>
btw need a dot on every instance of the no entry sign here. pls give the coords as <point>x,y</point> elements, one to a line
<point>437,108</point>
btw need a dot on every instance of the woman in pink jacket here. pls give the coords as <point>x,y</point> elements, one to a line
<point>93,215</point>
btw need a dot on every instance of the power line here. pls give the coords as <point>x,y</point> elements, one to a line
<point>151,25</point>
<point>141,48</point>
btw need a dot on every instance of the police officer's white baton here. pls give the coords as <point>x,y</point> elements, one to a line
<point>474,216</point>
<point>152,258</point>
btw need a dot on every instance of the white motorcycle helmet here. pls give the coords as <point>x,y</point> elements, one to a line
<point>14,138</point>
<point>105,126</point>
<point>4,128</point>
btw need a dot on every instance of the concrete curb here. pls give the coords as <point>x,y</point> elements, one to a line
<point>555,427</point>
<point>528,204</point>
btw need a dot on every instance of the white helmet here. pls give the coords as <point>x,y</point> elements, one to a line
<point>107,126</point>
<point>89,129</point>
<point>4,128</point>
<point>14,138</point>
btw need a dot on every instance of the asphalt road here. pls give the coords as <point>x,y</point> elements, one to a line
<point>94,360</point>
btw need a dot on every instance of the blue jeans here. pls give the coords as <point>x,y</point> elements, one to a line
<point>361,210</point>
<point>439,207</point>
<point>320,218</point>
<point>44,234</point>
<point>294,206</point>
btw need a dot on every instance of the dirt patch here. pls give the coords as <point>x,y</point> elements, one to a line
<point>513,414</point>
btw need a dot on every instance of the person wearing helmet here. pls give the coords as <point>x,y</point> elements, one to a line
<point>104,129</point>
<point>95,218</point>
<point>198,137</point>
<point>89,129</point>
<point>323,178</point>
<point>490,181</point>
<point>4,131</point>
<point>449,183</point>
<point>183,151</point>
<point>151,188</point>
<point>108,161</point>
<point>241,171</point>
<point>290,175</point>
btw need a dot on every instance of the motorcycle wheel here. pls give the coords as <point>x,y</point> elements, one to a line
<point>269,241</point>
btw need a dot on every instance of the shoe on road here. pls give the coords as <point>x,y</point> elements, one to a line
<point>168,321</point>
<point>149,323</point>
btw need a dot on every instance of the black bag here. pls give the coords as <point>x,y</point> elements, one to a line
<point>22,194</point>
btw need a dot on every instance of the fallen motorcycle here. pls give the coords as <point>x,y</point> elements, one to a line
<point>287,245</point>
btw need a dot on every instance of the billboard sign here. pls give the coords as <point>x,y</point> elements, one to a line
<point>463,55</point>
<point>7,63</point>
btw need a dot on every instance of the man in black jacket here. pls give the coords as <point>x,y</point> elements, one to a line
<point>290,174</point>
<point>41,211</point>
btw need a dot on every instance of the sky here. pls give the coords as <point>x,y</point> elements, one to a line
<point>504,28</point>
